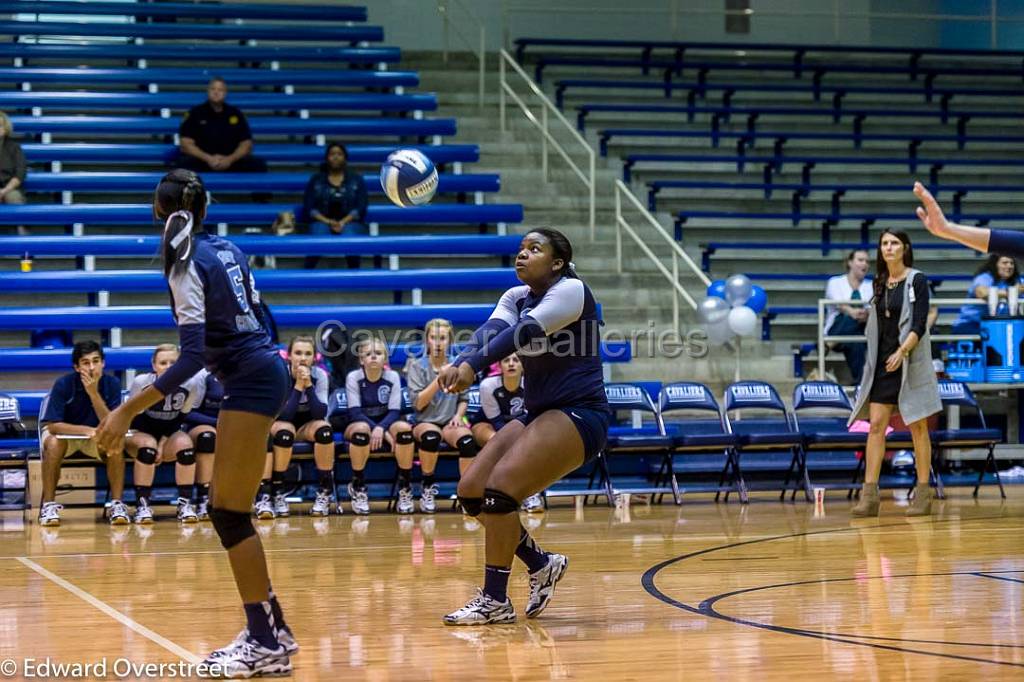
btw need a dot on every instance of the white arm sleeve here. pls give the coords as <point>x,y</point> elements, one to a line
<point>395,399</point>
<point>488,403</point>
<point>506,310</point>
<point>321,385</point>
<point>139,384</point>
<point>561,306</point>
<point>189,297</point>
<point>352,388</point>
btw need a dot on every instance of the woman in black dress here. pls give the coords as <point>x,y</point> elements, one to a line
<point>898,373</point>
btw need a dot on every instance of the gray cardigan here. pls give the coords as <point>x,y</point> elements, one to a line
<point>919,389</point>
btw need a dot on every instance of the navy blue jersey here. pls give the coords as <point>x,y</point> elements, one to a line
<point>498,404</point>
<point>557,336</point>
<point>216,306</point>
<point>310,403</point>
<point>68,402</point>
<point>172,408</point>
<point>377,401</point>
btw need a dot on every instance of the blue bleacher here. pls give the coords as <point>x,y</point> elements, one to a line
<point>269,125</point>
<point>233,182</point>
<point>198,77</point>
<point>258,214</point>
<point>206,9</point>
<point>195,31</point>
<point>182,101</point>
<point>159,154</point>
<point>201,53</point>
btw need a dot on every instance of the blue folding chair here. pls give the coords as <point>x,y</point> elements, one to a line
<point>957,393</point>
<point>762,434</point>
<point>686,408</point>
<point>640,436</point>
<point>823,428</point>
<point>14,450</point>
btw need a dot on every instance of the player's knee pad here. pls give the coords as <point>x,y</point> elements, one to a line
<point>186,457</point>
<point>472,506</point>
<point>404,438</point>
<point>467,446</point>
<point>324,435</point>
<point>361,438</point>
<point>206,442</point>
<point>232,527</point>
<point>430,441</point>
<point>497,502</point>
<point>146,455</point>
<point>284,439</point>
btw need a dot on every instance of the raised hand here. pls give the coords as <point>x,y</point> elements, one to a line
<point>930,213</point>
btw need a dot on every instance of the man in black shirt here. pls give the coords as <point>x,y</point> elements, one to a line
<point>215,136</point>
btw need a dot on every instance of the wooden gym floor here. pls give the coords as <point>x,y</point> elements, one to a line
<point>702,591</point>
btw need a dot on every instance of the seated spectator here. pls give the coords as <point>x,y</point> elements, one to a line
<point>215,136</point>
<point>12,167</point>
<point>303,417</point>
<point>997,275</point>
<point>201,424</point>
<point>159,438</point>
<point>439,415</point>
<point>335,201</point>
<point>849,320</point>
<point>374,395</point>
<point>76,404</point>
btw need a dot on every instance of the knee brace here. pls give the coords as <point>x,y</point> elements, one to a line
<point>284,439</point>
<point>186,457</point>
<point>404,438</point>
<point>146,455</point>
<point>232,527</point>
<point>472,506</point>
<point>497,502</point>
<point>361,439</point>
<point>324,435</point>
<point>430,441</point>
<point>206,442</point>
<point>467,446</point>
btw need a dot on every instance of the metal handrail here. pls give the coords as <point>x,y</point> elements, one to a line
<point>447,25</point>
<point>547,109</point>
<point>677,252</point>
<point>824,338</point>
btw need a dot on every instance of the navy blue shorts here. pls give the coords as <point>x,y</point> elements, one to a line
<point>262,390</point>
<point>155,427</point>
<point>592,426</point>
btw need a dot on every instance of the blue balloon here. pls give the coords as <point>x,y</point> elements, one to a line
<point>717,289</point>
<point>758,299</point>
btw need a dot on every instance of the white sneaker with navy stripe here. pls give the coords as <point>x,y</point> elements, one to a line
<point>49,514</point>
<point>542,584</point>
<point>245,658</point>
<point>482,610</point>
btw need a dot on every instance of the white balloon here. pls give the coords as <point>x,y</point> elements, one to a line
<point>742,321</point>
<point>712,310</point>
<point>718,332</point>
<point>738,290</point>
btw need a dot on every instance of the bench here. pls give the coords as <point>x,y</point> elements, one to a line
<point>825,249</point>
<point>193,31</point>
<point>21,53</point>
<point>753,113</point>
<point>256,214</point>
<point>838,190</point>
<point>775,163</point>
<point>182,101</point>
<point>149,244</point>
<point>211,10</point>
<point>232,183</point>
<point>830,220</point>
<point>234,76</point>
<point>816,89</point>
<point>140,153</point>
<point>139,357</point>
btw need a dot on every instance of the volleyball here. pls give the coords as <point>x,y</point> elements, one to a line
<point>408,178</point>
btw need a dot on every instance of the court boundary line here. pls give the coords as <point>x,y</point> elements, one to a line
<point>647,581</point>
<point>985,574</point>
<point>160,640</point>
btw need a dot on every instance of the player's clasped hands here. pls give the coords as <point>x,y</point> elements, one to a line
<point>453,379</point>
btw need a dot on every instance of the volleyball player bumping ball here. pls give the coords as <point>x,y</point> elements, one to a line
<point>565,425</point>
<point>216,307</point>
